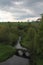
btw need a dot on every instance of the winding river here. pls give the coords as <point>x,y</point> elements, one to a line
<point>15,60</point>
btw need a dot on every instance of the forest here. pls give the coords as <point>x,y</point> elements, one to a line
<point>32,39</point>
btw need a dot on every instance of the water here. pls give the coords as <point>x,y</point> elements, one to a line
<point>18,46</point>
<point>15,60</point>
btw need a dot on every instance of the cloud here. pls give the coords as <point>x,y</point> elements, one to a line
<point>20,9</point>
<point>18,3</point>
<point>6,16</point>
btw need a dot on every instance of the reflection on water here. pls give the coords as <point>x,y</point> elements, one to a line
<point>18,46</point>
<point>20,53</point>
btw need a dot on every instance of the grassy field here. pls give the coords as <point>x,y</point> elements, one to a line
<point>6,51</point>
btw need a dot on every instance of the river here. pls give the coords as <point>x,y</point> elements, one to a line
<point>15,60</point>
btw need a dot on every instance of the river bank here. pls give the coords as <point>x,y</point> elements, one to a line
<point>6,51</point>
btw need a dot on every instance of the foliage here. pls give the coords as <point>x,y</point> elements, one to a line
<point>40,38</point>
<point>33,40</point>
<point>31,33</point>
<point>8,33</point>
<point>6,51</point>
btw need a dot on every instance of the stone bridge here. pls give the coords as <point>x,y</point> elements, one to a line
<point>22,53</point>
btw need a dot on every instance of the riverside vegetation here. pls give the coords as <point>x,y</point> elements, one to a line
<point>32,39</point>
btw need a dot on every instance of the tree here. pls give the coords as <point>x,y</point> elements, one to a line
<point>30,42</point>
<point>3,33</point>
<point>40,37</point>
<point>8,33</point>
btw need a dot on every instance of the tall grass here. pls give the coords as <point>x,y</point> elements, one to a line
<point>6,51</point>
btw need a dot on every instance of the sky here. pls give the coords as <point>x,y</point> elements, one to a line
<point>20,10</point>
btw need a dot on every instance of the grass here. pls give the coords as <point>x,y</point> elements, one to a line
<point>40,61</point>
<point>6,51</point>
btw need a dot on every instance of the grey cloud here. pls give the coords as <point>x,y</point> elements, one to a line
<point>17,10</point>
<point>24,17</point>
<point>5,2</point>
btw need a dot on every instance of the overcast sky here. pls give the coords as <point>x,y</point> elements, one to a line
<point>20,10</point>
